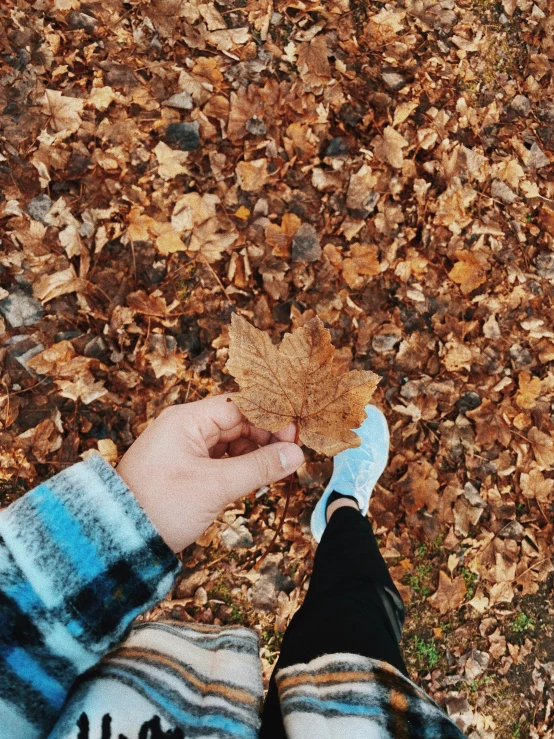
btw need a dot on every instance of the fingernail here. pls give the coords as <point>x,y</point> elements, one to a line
<point>291,457</point>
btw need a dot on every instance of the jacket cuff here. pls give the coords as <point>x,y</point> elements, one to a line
<point>90,552</point>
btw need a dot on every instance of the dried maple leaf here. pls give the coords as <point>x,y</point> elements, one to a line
<point>469,273</point>
<point>450,593</point>
<point>543,448</point>
<point>388,147</point>
<point>64,111</point>
<point>298,383</point>
<point>529,390</point>
<point>535,485</point>
<point>420,487</point>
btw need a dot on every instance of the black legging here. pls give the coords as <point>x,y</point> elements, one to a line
<point>351,606</point>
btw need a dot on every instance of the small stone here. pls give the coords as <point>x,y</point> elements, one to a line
<point>39,207</point>
<point>501,191</point>
<point>393,79</point>
<point>387,338</point>
<point>546,134</point>
<point>264,594</point>
<point>305,244</point>
<point>266,589</point>
<point>521,357</point>
<point>468,402</point>
<point>182,101</point>
<point>184,136</point>
<point>95,348</point>
<point>544,262</point>
<point>521,105</point>
<point>545,111</point>
<point>189,585</point>
<point>337,147</point>
<point>472,495</point>
<point>200,363</point>
<point>24,358</point>
<point>76,20</point>
<point>256,127</point>
<point>536,157</point>
<point>513,530</point>
<point>21,310</point>
<point>201,597</point>
<point>237,535</point>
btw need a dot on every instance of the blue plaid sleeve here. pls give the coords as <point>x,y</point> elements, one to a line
<point>79,560</point>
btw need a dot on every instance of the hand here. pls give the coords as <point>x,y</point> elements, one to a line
<point>178,474</point>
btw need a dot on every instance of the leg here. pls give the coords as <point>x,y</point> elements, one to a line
<point>351,606</point>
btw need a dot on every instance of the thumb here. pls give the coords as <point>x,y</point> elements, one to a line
<point>238,476</point>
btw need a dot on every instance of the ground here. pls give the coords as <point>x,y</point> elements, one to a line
<point>388,167</point>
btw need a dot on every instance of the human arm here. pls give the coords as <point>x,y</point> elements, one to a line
<point>81,555</point>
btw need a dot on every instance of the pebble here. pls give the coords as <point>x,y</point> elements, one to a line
<point>266,589</point>
<point>237,535</point>
<point>521,105</point>
<point>181,100</point>
<point>29,354</point>
<point>536,157</point>
<point>468,402</point>
<point>21,310</point>
<point>513,530</point>
<point>337,147</point>
<point>76,20</point>
<point>393,80</point>
<point>39,207</point>
<point>184,136</point>
<point>305,244</point>
<point>256,127</point>
<point>544,262</point>
<point>545,111</point>
<point>501,191</point>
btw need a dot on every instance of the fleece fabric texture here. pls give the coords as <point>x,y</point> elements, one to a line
<point>79,560</point>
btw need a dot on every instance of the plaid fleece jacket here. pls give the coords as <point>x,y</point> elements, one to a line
<point>79,560</point>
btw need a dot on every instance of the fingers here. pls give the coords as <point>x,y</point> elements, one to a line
<point>219,422</point>
<point>286,434</point>
<point>238,476</point>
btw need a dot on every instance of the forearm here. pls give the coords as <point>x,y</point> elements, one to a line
<point>79,560</point>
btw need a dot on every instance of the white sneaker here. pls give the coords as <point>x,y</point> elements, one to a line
<point>356,471</point>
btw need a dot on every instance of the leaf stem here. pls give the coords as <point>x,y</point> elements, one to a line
<point>290,491</point>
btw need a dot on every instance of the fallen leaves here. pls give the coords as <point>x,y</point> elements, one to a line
<point>469,272</point>
<point>390,146</point>
<point>386,169</point>
<point>296,383</point>
<point>64,112</point>
<point>253,175</point>
<point>450,593</point>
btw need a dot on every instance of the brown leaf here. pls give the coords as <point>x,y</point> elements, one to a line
<point>535,485</point>
<point>48,287</point>
<point>297,382</point>
<point>449,595</point>
<point>313,62</point>
<point>363,262</point>
<point>529,391</point>
<point>543,448</point>
<point>64,112</point>
<point>420,487</point>
<point>252,176</point>
<point>469,273</point>
<point>389,147</point>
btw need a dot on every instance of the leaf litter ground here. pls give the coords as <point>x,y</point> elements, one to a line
<point>386,167</point>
